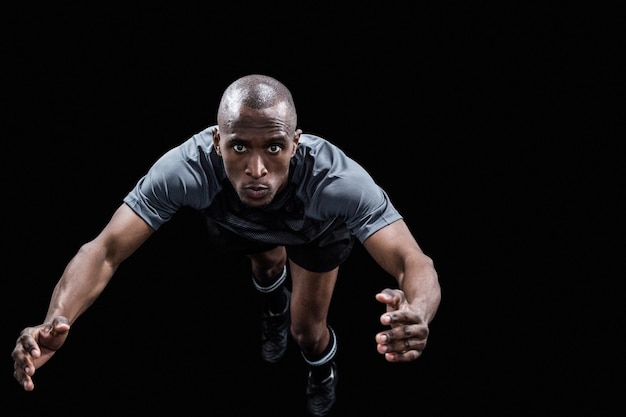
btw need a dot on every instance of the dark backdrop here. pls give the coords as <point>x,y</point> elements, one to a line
<point>477,121</point>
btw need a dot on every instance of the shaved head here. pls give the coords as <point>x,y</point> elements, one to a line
<point>258,92</point>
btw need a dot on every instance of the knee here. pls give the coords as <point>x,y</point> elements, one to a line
<point>268,266</point>
<point>311,338</point>
<point>268,273</point>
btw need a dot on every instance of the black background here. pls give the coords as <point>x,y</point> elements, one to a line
<point>486,124</point>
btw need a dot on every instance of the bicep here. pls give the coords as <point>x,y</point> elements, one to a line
<point>123,235</point>
<point>391,246</point>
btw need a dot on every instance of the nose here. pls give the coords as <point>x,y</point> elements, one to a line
<point>256,167</point>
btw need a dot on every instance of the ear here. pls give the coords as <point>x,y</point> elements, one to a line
<point>216,140</point>
<point>296,140</point>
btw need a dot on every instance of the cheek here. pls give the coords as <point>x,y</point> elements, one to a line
<point>278,166</point>
<point>231,167</point>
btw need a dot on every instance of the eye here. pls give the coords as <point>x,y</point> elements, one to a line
<point>239,148</point>
<point>274,148</point>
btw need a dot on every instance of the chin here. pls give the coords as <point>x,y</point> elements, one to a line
<point>256,203</point>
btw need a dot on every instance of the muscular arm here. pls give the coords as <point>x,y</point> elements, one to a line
<point>410,310</point>
<point>83,280</point>
<point>90,270</point>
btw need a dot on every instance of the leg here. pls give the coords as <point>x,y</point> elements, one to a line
<point>310,301</point>
<point>267,266</point>
<point>269,274</point>
<point>311,296</point>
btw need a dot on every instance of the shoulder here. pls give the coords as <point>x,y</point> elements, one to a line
<point>326,173</point>
<point>186,170</point>
<point>315,144</point>
<point>198,144</point>
<point>319,154</point>
<point>189,152</point>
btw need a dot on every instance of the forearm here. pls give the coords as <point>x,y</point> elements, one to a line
<point>420,283</point>
<point>83,280</point>
<point>397,252</point>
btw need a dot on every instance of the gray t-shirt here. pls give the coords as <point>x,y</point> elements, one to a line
<point>326,190</point>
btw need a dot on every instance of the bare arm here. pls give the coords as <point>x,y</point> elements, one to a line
<point>83,280</point>
<point>91,269</point>
<point>411,308</point>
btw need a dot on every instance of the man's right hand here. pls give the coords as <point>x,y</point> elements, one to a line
<point>35,346</point>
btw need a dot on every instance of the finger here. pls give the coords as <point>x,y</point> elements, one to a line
<point>28,384</point>
<point>401,347</point>
<point>385,293</point>
<point>407,356</point>
<point>399,355</point>
<point>394,299</point>
<point>403,329</point>
<point>60,325</point>
<point>23,379</point>
<point>23,354</point>
<point>389,296</point>
<point>27,345</point>
<point>24,364</point>
<point>53,336</point>
<point>398,318</point>
<point>396,333</point>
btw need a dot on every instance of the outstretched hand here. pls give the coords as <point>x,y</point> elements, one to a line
<point>406,339</point>
<point>35,346</point>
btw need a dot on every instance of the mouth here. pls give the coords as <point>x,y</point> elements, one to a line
<point>256,191</point>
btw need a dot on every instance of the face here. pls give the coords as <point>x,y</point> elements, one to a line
<point>256,146</point>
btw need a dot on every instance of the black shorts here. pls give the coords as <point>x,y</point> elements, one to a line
<point>322,254</point>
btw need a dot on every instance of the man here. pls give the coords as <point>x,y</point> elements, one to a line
<point>294,204</point>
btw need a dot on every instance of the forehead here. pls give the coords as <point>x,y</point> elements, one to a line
<point>243,120</point>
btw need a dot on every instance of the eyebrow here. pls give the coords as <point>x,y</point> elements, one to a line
<point>273,139</point>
